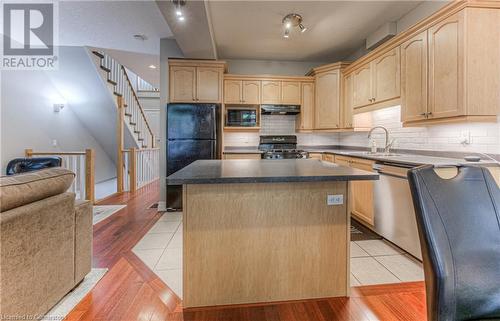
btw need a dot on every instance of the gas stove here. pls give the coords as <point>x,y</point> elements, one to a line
<point>280,147</point>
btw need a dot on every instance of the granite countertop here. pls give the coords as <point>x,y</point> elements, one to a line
<point>400,158</point>
<point>265,171</point>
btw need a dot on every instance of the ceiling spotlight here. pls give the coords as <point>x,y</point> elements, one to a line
<point>140,37</point>
<point>178,9</point>
<point>152,66</point>
<point>292,20</point>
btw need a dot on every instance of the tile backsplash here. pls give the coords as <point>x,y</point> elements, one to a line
<point>459,137</point>
<point>279,125</point>
<point>476,137</point>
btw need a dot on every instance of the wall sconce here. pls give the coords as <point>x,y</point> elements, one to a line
<point>58,107</point>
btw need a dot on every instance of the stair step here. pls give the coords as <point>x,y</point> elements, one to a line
<point>117,94</point>
<point>98,54</point>
<point>136,131</point>
<point>129,115</point>
<point>112,82</point>
<point>140,139</point>
<point>132,123</point>
<point>105,69</point>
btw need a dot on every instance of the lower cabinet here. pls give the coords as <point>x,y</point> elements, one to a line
<point>242,156</point>
<point>329,158</point>
<point>361,192</point>
<point>315,155</point>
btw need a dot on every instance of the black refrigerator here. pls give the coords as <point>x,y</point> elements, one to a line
<point>192,131</point>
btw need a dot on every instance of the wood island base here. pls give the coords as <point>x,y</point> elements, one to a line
<point>264,242</point>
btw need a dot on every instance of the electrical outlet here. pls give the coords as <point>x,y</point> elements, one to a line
<point>335,199</point>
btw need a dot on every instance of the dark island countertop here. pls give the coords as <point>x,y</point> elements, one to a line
<point>265,171</point>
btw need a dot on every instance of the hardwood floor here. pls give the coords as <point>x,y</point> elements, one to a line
<point>130,291</point>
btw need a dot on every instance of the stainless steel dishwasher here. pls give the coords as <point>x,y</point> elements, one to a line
<point>394,214</point>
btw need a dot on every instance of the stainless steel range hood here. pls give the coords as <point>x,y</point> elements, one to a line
<point>280,109</point>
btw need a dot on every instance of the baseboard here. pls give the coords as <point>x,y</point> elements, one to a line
<point>162,206</point>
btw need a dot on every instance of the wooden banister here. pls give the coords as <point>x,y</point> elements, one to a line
<point>137,101</point>
<point>133,169</point>
<point>119,144</point>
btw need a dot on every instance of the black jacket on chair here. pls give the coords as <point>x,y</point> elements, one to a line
<point>459,226</point>
<point>22,165</point>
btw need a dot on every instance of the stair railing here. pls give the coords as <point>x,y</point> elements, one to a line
<point>80,163</point>
<point>117,76</point>
<point>140,167</point>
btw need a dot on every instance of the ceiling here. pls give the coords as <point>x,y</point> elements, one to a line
<point>112,24</point>
<point>253,30</point>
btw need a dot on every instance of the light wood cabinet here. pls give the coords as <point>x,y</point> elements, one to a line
<point>315,156</point>
<point>290,92</point>
<point>414,62</point>
<point>386,80</point>
<point>208,84</point>
<point>362,88</point>
<point>182,84</point>
<point>195,81</point>
<point>242,92</point>
<point>305,119</point>
<point>361,193</point>
<point>347,110</point>
<point>251,92</point>
<point>327,106</point>
<point>271,92</point>
<point>329,158</point>
<point>377,81</point>
<point>446,67</point>
<point>232,91</point>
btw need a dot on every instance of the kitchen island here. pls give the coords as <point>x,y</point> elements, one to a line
<point>264,230</point>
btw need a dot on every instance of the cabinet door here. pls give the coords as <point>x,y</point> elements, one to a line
<point>347,112</point>
<point>414,78</point>
<point>327,107</point>
<point>232,91</point>
<point>290,92</point>
<point>251,92</point>
<point>305,120</point>
<point>242,156</point>
<point>386,75</point>
<point>362,204</point>
<point>315,156</point>
<point>271,92</point>
<point>329,158</point>
<point>362,87</point>
<point>182,84</point>
<point>446,67</point>
<point>343,160</point>
<point>208,85</point>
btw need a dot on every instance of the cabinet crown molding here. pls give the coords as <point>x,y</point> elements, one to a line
<point>324,68</point>
<point>267,77</point>
<point>197,63</point>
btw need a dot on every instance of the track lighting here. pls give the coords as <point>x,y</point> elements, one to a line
<point>292,20</point>
<point>178,9</point>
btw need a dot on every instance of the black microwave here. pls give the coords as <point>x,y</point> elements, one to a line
<point>241,117</point>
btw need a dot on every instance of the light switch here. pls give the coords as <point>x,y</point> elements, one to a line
<point>335,199</point>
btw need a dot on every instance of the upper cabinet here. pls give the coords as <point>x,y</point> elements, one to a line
<point>414,64</point>
<point>446,67</point>
<point>449,73</point>
<point>271,92</point>
<point>290,92</point>
<point>305,119</point>
<point>242,92</point>
<point>195,81</point>
<point>329,102</point>
<point>377,81</point>
<point>256,90</point>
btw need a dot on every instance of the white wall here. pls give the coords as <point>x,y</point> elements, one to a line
<point>483,137</point>
<point>268,67</point>
<point>28,121</point>
<point>423,10</point>
<point>168,49</point>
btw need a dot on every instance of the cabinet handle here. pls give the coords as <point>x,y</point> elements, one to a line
<point>429,113</point>
<point>423,114</point>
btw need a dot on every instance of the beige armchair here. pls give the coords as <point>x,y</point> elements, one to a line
<point>45,241</point>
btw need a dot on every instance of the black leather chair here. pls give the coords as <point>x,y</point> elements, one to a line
<point>22,165</point>
<point>459,226</point>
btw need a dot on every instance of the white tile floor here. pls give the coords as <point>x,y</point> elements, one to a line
<point>372,261</point>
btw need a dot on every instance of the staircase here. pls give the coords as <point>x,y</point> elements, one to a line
<point>121,86</point>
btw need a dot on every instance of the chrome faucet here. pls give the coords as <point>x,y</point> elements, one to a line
<point>387,148</point>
